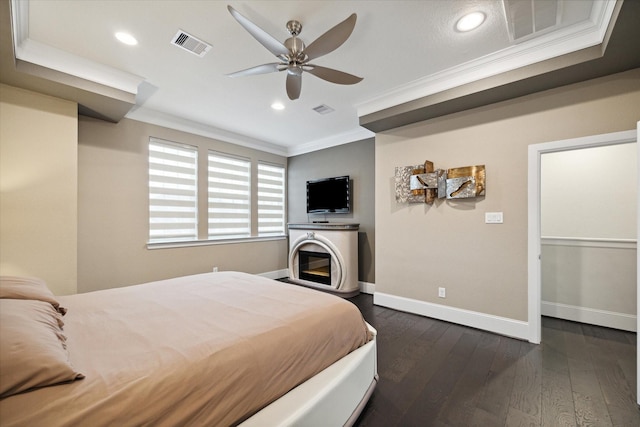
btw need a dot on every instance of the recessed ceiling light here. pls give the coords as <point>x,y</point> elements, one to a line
<point>277,106</point>
<point>470,21</point>
<point>126,38</point>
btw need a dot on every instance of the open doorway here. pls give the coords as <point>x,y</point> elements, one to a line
<point>588,235</point>
<point>535,153</point>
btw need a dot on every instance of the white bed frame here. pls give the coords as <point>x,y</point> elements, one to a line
<point>334,397</point>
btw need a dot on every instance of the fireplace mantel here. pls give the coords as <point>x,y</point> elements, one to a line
<point>324,226</point>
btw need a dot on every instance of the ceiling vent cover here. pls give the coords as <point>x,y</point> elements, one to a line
<point>529,18</point>
<point>190,43</point>
<point>323,109</point>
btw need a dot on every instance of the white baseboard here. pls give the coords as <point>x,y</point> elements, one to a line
<point>609,319</point>
<point>367,288</point>
<point>496,324</point>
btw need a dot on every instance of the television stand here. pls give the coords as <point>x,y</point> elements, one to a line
<point>324,256</point>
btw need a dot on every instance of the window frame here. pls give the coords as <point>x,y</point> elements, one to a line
<point>202,200</point>
<point>231,194</point>
<point>282,190</point>
<point>169,170</point>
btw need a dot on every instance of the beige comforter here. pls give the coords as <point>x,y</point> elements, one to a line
<point>209,349</point>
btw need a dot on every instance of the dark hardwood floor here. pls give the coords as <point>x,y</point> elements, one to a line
<point>434,373</point>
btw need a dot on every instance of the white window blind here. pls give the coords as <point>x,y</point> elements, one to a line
<point>271,214</point>
<point>229,196</point>
<point>173,207</point>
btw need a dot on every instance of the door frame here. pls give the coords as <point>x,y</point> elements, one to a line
<point>535,152</point>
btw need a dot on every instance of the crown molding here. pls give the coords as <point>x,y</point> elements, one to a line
<point>570,39</point>
<point>48,57</point>
<point>343,138</point>
<point>154,117</point>
<point>38,58</point>
<point>147,115</point>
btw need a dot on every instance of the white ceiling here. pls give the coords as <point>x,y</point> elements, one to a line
<point>403,49</point>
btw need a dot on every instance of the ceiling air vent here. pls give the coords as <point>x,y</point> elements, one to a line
<point>530,18</point>
<point>190,43</point>
<point>323,109</point>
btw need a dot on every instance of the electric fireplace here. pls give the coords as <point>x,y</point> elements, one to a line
<point>315,267</point>
<point>324,256</point>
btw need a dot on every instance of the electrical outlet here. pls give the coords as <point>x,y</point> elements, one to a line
<point>442,292</point>
<point>215,269</point>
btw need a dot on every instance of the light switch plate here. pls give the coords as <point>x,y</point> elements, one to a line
<point>493,218</point>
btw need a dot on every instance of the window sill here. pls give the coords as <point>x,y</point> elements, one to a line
<point>211,242</point>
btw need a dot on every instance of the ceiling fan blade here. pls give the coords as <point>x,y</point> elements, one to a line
<point>265,39</point>
<point>294,86</point>
<point>331,75</point>
<point>332,39</point>
<point>260,69</point>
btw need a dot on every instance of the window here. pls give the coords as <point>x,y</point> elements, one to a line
<point>271,216</point>
<point>244,199</point>
<point>229,196</point>
<point>173,211</point>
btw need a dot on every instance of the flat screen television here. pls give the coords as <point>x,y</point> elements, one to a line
<point>329,195</point>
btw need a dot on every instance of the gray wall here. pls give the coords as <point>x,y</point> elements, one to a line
<point>356,160</point>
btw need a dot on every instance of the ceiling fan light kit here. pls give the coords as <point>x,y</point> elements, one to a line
<point>294,55</point>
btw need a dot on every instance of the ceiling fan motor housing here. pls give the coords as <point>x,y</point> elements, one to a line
<point>295,46</point>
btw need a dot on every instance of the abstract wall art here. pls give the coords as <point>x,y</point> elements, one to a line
<point>424,184</point>
<point>403,179</point>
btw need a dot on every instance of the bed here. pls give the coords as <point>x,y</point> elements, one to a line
<point>213,349</point>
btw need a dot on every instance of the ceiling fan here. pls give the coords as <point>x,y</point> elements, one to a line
<point>294,56</point>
